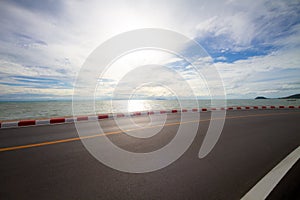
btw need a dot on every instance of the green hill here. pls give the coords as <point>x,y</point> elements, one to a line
<point>295,96</point>
<point>260,97</point>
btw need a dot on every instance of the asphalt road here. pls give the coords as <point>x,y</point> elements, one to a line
<point>251,144</point>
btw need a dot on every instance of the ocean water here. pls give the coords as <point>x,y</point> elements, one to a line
<point>47,109</point>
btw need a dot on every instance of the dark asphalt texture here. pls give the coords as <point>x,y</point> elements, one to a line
<point>248,149</point>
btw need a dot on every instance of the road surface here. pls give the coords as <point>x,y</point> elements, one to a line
<point>50,162</point>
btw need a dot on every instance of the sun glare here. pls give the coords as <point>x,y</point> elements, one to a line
<point>137,105</point>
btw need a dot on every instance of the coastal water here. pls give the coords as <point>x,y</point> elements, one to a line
<point>47,109</point>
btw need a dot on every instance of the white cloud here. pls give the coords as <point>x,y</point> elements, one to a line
<point>273,74</point>
<point>74,30</point>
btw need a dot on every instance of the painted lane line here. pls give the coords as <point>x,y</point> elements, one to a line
<point>264,187</point>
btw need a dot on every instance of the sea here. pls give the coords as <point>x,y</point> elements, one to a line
<point>16,110</point>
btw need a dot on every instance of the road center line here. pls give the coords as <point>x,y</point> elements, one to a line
<point>140,128</point>
<point>264,187</point>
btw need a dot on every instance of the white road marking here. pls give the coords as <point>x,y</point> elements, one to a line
<point>263,188</point>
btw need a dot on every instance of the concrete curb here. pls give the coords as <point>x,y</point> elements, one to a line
<point>62,120</point>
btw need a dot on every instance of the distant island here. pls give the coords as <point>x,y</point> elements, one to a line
<point>295,96</point>
<point>260,97</point>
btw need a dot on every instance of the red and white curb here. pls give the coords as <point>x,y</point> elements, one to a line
<point>61,120</point>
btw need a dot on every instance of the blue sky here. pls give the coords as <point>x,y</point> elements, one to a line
<point>255,45</point>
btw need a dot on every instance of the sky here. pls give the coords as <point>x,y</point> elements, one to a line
<point>254,45</point>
